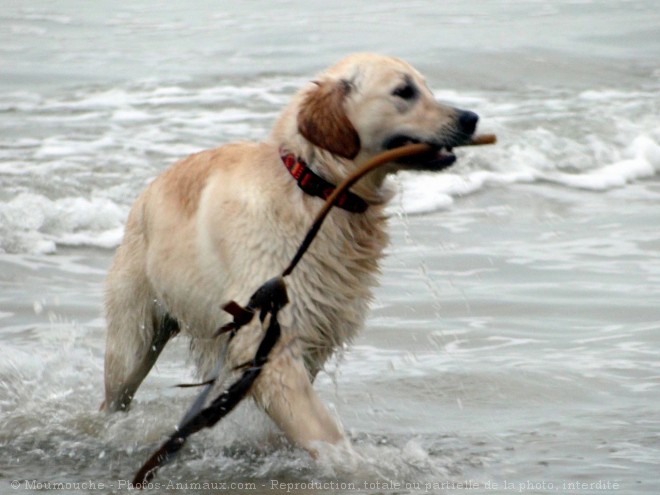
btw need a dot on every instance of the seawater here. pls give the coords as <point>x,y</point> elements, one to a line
<point>515,340</point>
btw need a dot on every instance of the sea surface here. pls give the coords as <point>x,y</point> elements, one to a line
<point>514,345</point>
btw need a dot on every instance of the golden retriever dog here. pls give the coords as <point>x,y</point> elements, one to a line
<point>219,223</point>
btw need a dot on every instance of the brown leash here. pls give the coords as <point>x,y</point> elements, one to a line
<point>268,300</point>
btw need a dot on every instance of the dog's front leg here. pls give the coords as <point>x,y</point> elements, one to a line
<point>285,392</point>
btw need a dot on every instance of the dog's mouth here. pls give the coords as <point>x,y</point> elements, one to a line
<point>439,157</point>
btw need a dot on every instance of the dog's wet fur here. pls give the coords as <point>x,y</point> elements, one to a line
<point>217,224</point>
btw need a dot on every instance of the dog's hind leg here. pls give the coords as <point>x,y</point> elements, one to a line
<point>127,362</point>
<point>137,329</point>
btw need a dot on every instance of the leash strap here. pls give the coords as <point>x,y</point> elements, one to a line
<point>269,299</point>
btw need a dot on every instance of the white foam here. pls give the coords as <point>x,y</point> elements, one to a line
<point>34,223</point>
<point>428,192</point>
<point>420,193</point>
<point>644,164</point>
<point>129,114</point>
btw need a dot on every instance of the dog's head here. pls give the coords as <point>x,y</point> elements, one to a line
<point>370,103</point>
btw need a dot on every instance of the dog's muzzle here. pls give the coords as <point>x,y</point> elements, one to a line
<point>441,155</point>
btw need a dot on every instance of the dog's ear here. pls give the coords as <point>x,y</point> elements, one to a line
<point>322,119</point>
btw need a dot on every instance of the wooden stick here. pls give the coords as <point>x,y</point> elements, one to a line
<point>482,139</point>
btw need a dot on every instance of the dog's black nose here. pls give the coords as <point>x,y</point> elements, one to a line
<point>467,121</point>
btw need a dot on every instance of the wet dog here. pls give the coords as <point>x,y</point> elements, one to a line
<point>219,223</point>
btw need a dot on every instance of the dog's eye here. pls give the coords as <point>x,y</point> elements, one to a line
<point>405,92</point>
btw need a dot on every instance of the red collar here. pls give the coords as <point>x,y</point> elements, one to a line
<point>314,185</point>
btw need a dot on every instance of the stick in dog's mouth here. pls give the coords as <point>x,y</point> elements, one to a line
<point>482,139</point>
<point>426,156</point>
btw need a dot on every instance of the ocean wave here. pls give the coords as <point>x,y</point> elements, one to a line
<point>71,164</point>
<point>31,222</point>
<point>35,224</point>
<point>428,192</point>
